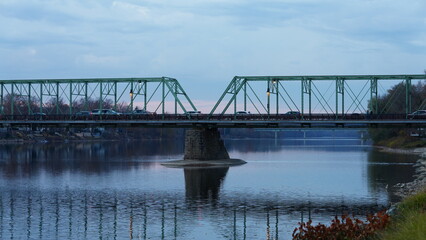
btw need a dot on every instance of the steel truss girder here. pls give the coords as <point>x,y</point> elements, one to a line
<point>101,89</point>
<point>342,88</point>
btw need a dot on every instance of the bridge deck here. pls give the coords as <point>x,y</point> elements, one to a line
<point>219,121</point>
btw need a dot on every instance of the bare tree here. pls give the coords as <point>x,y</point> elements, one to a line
<point>21,104</point>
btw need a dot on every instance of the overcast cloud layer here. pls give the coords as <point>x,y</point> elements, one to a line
<point>205,43</point>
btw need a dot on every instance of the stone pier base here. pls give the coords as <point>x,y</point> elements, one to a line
<point>204,148</point>
<point>204,144</point>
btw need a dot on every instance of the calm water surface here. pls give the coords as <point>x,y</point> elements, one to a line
<point>116,190</point>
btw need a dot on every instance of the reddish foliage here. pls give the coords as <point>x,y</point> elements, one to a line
<point>345,228</point>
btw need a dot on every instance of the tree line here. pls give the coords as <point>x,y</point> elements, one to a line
<point>395,102</point>
<point>24,105</point>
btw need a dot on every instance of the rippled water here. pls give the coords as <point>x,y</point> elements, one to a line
<point>116,190</point>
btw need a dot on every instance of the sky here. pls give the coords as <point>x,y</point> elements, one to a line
<point>205,43</point>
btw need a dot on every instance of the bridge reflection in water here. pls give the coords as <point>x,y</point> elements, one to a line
<point>116,190</point>
<point>90,214</point>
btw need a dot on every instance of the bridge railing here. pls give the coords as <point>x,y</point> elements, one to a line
<point>214,117</point>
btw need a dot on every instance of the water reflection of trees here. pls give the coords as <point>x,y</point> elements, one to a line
<point>24,160</point>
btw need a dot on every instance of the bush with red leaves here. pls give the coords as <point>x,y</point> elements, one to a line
<point>346,228</point>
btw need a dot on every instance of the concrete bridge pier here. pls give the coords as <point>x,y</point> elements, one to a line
<point>204,144</point>
<point>204,148</point>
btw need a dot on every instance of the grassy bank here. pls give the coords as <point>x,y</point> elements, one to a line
<point>402,142</point>
<point>395,138</point>
<point>409,221</point>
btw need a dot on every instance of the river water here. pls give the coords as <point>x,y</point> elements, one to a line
<point>113,190</point>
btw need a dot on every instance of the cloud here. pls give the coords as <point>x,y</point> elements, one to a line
<point>420,41</point>
<point>98,60</point>
<point>205,43</point>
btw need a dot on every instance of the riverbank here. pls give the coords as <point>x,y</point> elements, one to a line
<point>410,214</point>
<point>402,141</point>
<point>89,134</point>
<point>59,137</point>
<point>416,151</point>
<point>409,220</point>
<point>407,189</point>
<point>417,185</point>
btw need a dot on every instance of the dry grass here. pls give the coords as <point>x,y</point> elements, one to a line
<point>410,222</point>
<point>403,142</point>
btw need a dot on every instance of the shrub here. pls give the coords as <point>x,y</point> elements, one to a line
<point>344,228</point>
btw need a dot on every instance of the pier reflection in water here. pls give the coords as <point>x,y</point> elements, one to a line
<point>120,191</point>
<point>204,183</point>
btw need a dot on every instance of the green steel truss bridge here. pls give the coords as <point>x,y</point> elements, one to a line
<point>356,101</point>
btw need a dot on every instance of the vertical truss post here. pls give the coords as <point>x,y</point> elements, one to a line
<point>41,97</point>
<point>245,95</point>
<point>12,100</point>
<point>302,89</point>
<point>70,98</point>
<point>57,98</point>
<point>310,97</point>
<point>340,85</point>
<point>407,96</point>
<point>163,95</point>
<point>100,98</point>
<point>268,94</point>
<point>337,97</point>
<point>2,99</point>
<point>306,89</point>
<point>86,97</point>
<point>272,89</point>
<point>276,84</point>
<point>373,95</point>
<point>343,96</point>
<point>115,96</point>
<point>144,95</point>
<point>235,100</point>
<point>131,96</point>
<point>176,91</point>
<point>29,99</point>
